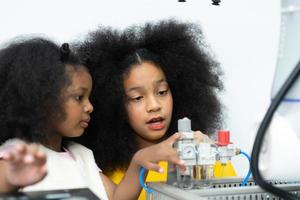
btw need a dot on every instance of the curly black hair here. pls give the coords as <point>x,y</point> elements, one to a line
<point>32,75</point>
<point>192,73</point>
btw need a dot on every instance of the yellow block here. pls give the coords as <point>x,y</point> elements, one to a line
<point>152,176</point>
<point>224,170</point>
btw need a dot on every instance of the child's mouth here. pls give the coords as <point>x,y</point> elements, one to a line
<point>157,123</point>
<point>84,124</point>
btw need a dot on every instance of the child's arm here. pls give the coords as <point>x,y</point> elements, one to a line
<point>148,157</point>
<point>21,165</point>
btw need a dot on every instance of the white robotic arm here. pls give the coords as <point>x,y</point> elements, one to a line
<point>280,155</point>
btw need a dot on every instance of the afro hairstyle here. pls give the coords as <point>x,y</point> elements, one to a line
<point>192,73</point>
<point>32,75</point>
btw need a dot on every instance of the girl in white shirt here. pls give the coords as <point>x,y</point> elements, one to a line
<point>44,98</point>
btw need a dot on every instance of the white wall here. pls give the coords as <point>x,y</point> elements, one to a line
<point>244,35</point>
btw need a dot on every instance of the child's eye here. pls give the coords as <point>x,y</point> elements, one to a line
<point>78,97</point>
<point>162,92</point>
<point>136,99</point>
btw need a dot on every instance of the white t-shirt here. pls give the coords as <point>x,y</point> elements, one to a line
<point>75,168</point>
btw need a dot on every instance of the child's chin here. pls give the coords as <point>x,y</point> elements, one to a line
<point>158,136</point>
<point>78,134</point>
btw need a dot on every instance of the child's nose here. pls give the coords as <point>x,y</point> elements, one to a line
<point>153,105</point>
<point>88,107</point>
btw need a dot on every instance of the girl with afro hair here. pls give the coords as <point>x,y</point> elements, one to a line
<point>44,98</point>
<point>145,79</point>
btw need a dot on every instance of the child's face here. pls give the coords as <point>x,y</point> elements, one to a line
<point>77,107</point>
<point>149,102</point>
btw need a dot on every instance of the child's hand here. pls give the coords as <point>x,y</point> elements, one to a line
<point>22,164</point>
<point>150,156</point>
<point>201,137</point>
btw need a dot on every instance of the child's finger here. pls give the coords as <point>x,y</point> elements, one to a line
<point>43,171</point>
<point>198,135</point>
<point>30,157</point>
<point>179,163</point>
<point>6,156</point>
<point>173,157</point>
<point>12,150</point>
<point>19,147</point>
<point>201,137</point>
<point>154,167</point>
<point>173,138</point>
<point>16,152</point>
<point>32,148</point>
<point>40,157</point>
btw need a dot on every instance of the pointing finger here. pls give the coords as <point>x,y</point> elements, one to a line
<point>173,138</point>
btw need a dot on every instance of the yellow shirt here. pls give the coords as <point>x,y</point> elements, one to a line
<point>152,176</point>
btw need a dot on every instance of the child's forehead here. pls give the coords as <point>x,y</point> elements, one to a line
<point>73,71</point>
<point>75,67</point>
<point>146,67</point>
<point>144,75</point>
<point>79,78</point>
